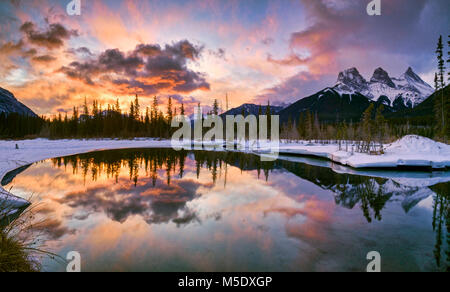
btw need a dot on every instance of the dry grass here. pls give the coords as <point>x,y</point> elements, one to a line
<point>21,245</point>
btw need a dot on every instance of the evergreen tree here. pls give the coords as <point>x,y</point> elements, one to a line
<point>316,130</point>
<point>85,120</point>
<point>117,107</point>
<point>85,107</point>
<point>216,107</point>
<point>440,104</point>
<point>380,123</point>
<point>436,82</point>
<point>137,109</point>
<point>301,126</point>
<point>147,121</point>
<point>257,119</point>
<point>182,109</point>
<point>169,118</point>
<point>367,127</point>
<point>309,123</point>
<point>74,122</point>
<point>131,117</point>
<point>269,120</point>
<point>169,110</point>
<point>441,63</point>
<point>154,110</point>
<point>448,60</point>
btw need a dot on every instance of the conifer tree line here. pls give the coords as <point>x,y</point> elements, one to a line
<point>373,127</point>
<point>14,125</point>
<point>96,122</point>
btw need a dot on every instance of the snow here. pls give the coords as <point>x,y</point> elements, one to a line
<point>31,151</point>
<point>408,151</point>
<point>409,86</point>
<point>408,178</point>
<point>413,144</point>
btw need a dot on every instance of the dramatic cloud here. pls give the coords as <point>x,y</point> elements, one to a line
<point>44,59</point>
<point>291,60</point>
<point>81,50</point>
<point>52,38</point>
<point>294,88</point>
<point>11,49</point>
<point>149,69</point>
<point>157,204</point>
<point>248,50</point>
<point>341,35</point>
<point>220,53</point>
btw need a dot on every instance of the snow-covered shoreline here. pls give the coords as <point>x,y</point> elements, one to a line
<point>31,151</point>
<point>408,151</point>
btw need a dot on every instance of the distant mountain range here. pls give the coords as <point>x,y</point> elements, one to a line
<point>409,88</point>
<point>252,109</point>
<point>352,95</point>
<point>9,104</point>
<point>329,105</point>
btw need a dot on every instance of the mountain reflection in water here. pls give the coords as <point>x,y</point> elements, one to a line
<point>163,210</point>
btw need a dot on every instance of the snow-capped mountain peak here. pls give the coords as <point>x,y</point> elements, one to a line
<point>408,90</point>
<point>351,75</point>
<point>411,74</point>
<point>10,104</point>
<point>352,80</point>
<point>412,77</point>
<point>382,76</point>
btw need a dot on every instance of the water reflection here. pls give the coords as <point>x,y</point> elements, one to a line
<point>441,220</point>
<point>159,210</point>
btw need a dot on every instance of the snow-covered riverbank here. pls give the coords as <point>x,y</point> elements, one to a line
<point>31,151</point>
<point>408,151</point>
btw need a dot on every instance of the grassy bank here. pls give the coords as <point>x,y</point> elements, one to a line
<point>20,243</point>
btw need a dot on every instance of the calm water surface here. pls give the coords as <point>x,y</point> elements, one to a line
<point>161,210</point>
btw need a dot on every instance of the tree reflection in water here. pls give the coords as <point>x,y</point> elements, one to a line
<point>441,222</point>
<point>370,193</point>
<point>154,160</point>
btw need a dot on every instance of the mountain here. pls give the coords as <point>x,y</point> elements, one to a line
<point>353,94</point>
<point>9,104</point>
<point>251,109</point>
<point>406,91</point>
<point>330,105</point>
<point>424,112</point>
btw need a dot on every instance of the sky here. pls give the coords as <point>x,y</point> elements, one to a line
<point>254,51</point>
